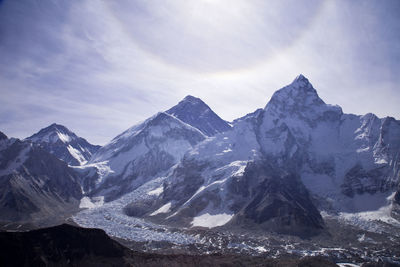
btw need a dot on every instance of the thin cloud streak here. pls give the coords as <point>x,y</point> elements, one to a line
<point>99,67</point>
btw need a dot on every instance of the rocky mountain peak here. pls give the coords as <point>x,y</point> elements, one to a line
<point>52,134</point>
<point>195,112</point>
<point>193,100</point>
<point>301,99</point>
<point>189,104</point>
<point>301,80</point>
<point>64,144</point>
<point>299,93</point>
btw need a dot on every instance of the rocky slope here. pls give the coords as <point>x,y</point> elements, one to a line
<point>35,186</point>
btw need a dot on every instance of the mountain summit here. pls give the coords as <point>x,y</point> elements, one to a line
<point>299,99</point>
<point>64,144</point>
<point>195,112</point>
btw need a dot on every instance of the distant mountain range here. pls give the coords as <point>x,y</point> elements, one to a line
<point>276,169</point>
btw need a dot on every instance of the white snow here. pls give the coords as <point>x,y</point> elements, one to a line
<point>346,264</point>
<point>63,137</point>
<point>365,219</point>
<point>77,155</point>
<point>164,209</point>
<point>380,161</point>
<point>210,221</point>
<point>377,220</point>
<point>111,218</point>
<point>134,145</point>
<point>156,192</point>
<point>227,150</point>
<point>87,203</point>
<point>261,249</point>
<point>102,169</point>
<point>52,137</point>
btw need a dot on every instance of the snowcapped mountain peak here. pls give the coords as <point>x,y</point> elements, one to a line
<point>299,92</point>
<point>195,112</point>
<point>142,152</point>
<point>64,144</point>
<point>53,134</point>
<point>301,99</point>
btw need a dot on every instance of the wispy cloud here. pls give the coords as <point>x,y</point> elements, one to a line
<point>101,66</point>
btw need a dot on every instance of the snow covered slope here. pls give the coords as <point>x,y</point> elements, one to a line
<point>64,144</point>
<point>142,153</point>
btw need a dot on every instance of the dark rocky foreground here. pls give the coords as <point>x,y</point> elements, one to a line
<point>67,245</point>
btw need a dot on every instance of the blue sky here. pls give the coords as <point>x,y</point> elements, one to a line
<point>99,67</point>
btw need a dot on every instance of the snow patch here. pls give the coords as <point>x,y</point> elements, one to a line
<point>87,203</point>
<point>164,209</point>
<point>210,221</point>
<point>102,168</point>
<point>370,220</point>
<point>227,150</point>
<point>380,161</point>
<point>63,137</point>
<point>261,249</point>
<point>346,264</point>
<point>156,192</point>
<point>76,154</point>
<point>241,164</point>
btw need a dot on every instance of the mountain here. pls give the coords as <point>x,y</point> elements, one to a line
<point>35,186</point>
<point>195,112</point>
<point>64,144</point>
<point>280,166</point>
<point>141,153</point>
<point>298,167</point>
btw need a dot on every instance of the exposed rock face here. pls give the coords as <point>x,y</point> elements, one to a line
<point>195,112</point>
<point>3,136</point>
<point>35,186</point>
<point>277,201</point>
<point>64,144</point>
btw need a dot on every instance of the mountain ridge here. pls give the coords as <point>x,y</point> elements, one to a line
<point>288,168</point>
<point>66,145</point>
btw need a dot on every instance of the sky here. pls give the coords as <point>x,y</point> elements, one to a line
<point>98,67</point>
